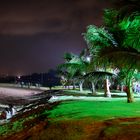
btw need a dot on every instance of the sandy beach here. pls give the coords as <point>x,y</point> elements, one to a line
<point>16,96</point>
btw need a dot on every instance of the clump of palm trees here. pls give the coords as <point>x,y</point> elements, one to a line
<point>114,45</point>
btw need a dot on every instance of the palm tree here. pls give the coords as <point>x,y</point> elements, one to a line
<point>65,72</point>
<point>76,67</point>
<point>98,75</point>
<point>127,49</point>
<point>96,38</point>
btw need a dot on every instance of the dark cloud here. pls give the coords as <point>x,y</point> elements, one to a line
<point>38,16</point>
<point>34,34</point>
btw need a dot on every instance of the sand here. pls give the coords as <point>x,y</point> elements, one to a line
<point>16,96</point>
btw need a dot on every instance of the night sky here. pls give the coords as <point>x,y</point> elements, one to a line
<point>34,34</point>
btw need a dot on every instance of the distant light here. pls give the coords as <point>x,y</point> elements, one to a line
<point>84,73</point>
<point>19,77</point>
<point>88,58</point>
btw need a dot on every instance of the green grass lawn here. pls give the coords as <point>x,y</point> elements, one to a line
<point>98,110</point>
<point>79,118</point>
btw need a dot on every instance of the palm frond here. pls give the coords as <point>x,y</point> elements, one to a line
<point>121,57</point>
<point>68,56</point>
<point>97,38</point>
<point>98,75</point>
<point>109,17</point>
<point>133,39</point>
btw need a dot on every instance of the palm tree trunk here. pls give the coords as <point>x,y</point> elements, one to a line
<point>129,92</point>
<point>121,88</point>
<point>93,88</point>
<point>107,90</point>
<point>81,86</point>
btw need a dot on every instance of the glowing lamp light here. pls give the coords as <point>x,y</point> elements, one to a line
<point>88,58</point>
<point>19,77</point>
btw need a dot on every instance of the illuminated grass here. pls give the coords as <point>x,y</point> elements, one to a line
<point>16,126</point>
<point>11,127</point>
<point>98,110</point>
